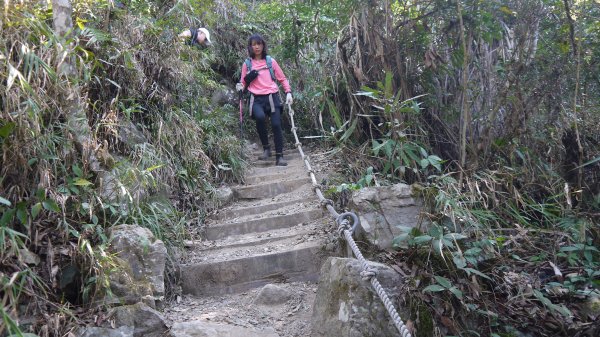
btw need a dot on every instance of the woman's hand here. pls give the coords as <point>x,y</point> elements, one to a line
<point>239,87</point>
<point>288,99</point>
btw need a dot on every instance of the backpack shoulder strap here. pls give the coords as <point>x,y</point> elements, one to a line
<point>248,64</point>
<point>270,66</point>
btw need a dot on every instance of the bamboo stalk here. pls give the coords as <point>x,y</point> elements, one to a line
<point>464,109</point>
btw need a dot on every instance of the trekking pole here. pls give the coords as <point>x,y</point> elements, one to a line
<point>241,123</point>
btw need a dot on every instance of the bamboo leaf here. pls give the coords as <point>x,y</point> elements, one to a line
<point>22,212</point>
<point>7,129</point>
<point>7,217</point>
<point>51,205</point>
<point>5,202</point>
<point>35,210</point>
<point>82,182</point>
<point>456,292</point>
<point>434,288</point>
<point>553,307</point>
<point>422,239</point>
<point>444,282</point>
<point>349,131</point>
<point>152,168</point>
<point>335,114</point>
<point>476,272</point>
<point>12,75</point>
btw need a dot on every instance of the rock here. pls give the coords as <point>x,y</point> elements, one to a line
<point>145,321</point>
<point>130,135</point>
<point>348,306</point>
<point>27,257</point>
<point>124,331</point>
<point>591,308</point>
<point>224,195</point>
<point>382,209</point>
<point>272,294</point>
<point>141,264</point>
<point>224,96</point>
<point>121,192</point>
<point>208,329</point>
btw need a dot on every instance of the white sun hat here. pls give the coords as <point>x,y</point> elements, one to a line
<point>207,34</point>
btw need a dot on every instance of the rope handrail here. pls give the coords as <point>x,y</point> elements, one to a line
<point>346,229</point>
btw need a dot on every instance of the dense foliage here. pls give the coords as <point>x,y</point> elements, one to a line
<point>108,123</point>
<point>492,107</point>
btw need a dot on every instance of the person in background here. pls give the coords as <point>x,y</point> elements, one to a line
<point>196,36</point>
<point>259,73</point>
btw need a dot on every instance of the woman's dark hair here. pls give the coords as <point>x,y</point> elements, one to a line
<point>259,39</point>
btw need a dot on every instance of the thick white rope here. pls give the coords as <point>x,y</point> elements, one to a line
<point>367,272</point>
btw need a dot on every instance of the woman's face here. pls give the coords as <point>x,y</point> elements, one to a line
<point>201,37</point>
<point>257,48</point>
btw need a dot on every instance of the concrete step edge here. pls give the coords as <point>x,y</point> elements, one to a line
<point>299,233</point>
<point>299,263</point>
<point>219,231</point>
<point>241,212</point>
<point>269,190</point>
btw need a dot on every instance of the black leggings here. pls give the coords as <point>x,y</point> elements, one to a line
<point>261,108</point>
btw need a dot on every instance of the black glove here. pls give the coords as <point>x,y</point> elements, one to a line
<point>251,76</point>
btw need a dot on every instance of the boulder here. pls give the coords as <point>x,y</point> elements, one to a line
<point>272,294</point>
<point>224,195</point>
<point>384,210</point>
<point>348,306</point>
<point>145,321</point>
<point>141,265</point>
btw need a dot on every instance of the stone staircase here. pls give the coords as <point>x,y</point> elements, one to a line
<point>274,233</point>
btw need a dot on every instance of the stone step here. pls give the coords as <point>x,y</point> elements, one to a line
<point>296,167</point>
<point>204,328</point>
<point>304,192</point>
<point>290,262</point>
<point>262,224</point>
<point>269,190</point>
<point>284,175</point>
<point>238,245</point>
<point>286,152</point>
<point>293,160</point>
<point>232,213</point>
<point>308,204</point>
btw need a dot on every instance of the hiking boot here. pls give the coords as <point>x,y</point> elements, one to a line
<point>266,154</point>
<point>280,161</point>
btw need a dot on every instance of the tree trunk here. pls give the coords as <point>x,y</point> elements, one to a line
<point>77,121</point>
<point>61,14</point>
<point>464,120</point>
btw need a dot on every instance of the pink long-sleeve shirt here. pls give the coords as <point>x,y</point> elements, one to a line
<point>264,84</point>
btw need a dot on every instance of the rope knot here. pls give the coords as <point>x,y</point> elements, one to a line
<point>298,144</point>
<point>344,226</point>
<point>326,202</point>
<point>368,273</point>
<point>343,220</point>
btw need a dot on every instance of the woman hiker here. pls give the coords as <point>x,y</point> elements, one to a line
<point>259,73</point>
<point>196,36</point>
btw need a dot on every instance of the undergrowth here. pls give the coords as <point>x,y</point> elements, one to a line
<point>148,149</point>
